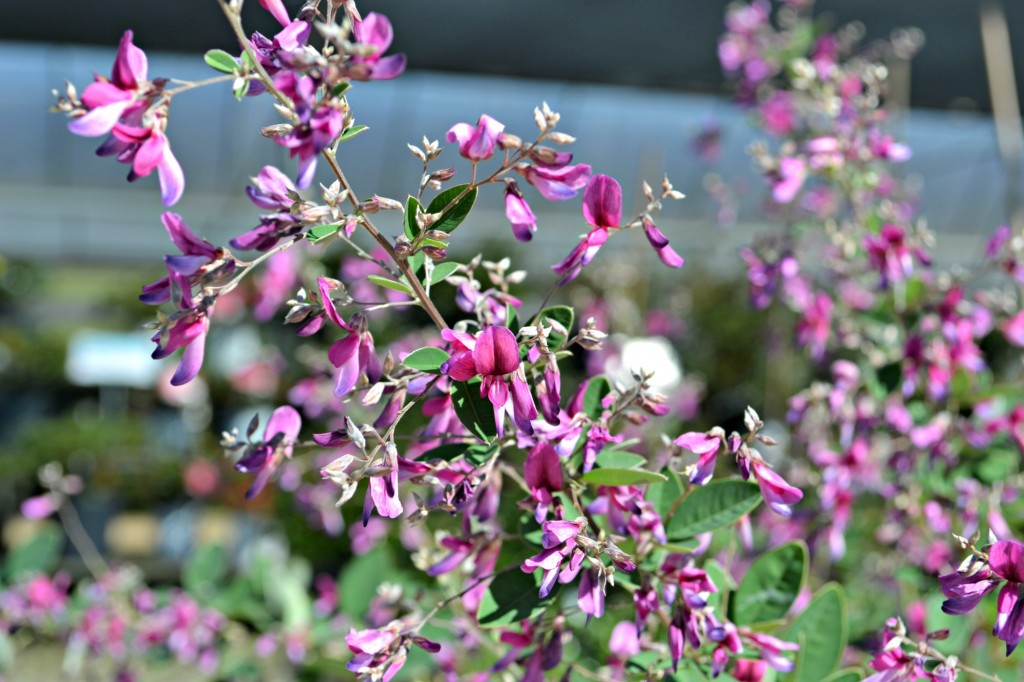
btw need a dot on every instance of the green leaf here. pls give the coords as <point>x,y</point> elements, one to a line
<point>426,359</point>
<point>511,317</point>
<point>38,555</point>
<point>474,453</point>
<point>220,61</point>
<point>352,132</point>
<point>442,271</point>
<point>846,675</point>
<point>204,571</point>
<point>619,459</point>
<point>247,62</point>
<point>474,411</point>
<point>241,90</point>
<point>712,506</point>
<point>427,241</point>
<point>665,496</point>
<point>360,577</point>
<point>411,228</point>
<point>597,389</point>
<point>613,476</point>
<point>454,216</point>
<point>512,596</point>
<point>319,233</point>
<point>390,284</point>
<point>562,314</point>
<point>821,632</point>
<point>771,585</point>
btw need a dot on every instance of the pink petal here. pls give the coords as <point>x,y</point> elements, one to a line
<point>602,202</point>
<point>99,121</point>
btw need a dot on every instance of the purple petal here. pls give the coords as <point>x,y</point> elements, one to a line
<point>191,359</point>
<point>172,179</point>
<point>130,65</point>
<point>1006,559</point>
<point>285,420</point>
<point>389,67</point>
<point>99,121</point>
<point>602,202</point>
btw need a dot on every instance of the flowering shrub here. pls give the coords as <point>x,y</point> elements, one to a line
<point>576,530</point>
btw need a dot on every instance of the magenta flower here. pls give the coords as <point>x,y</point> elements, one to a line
<point>789,179</point>
<point>889,254</point>
<point>264,457</point>
<point>382,491</point>
<point>559,541</point>
<point>815,327</point>
<point>590,595</point>
<point>706,447</point>
<point>659,241</point>
<point>121,106</point>
<point>556,183</point>
<point>777,494</point>
<point>200,259</point>
<point>543,474</point>
<point>375,30</point>
<point>524,222</point>
<point>185,329</point>
<point>476,144</point>
<point>493,355</point>
<point>354,354</point>
<point>602,209</point>
<point>276,8</point>
<point>274,191</point>
<point>1006,559</point>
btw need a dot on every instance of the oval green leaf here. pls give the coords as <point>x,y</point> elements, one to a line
<point>771,585</point>
<point>597,389</point>
<point>426,359</point>
<point>615,476</point>
<point>454,216</point>
<point>821,632</point>
<point>442,271</point>
<point>511,597</point>
<point>712,506</point>
<point>390,284</point>
<point>352,132</point>
<point>619,459</point>
<point>220,61</point>
<point>474,411</point>
<point>846,675</point>
<point>319,233</point>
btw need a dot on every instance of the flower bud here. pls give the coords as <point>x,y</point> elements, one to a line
<point>510,141</point>
<point>434,253</point>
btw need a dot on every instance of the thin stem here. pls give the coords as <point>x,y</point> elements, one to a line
<point>192,85</point>
<point>235,19</point>
<point>249,266</point>
<point>402,264</point>
<point>84,545</point>
<point>445,602</point>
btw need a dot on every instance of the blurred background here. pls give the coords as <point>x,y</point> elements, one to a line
<point>640,87</point>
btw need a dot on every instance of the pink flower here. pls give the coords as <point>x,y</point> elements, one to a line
<point>556,183</point>
<point>524,222</point>
<point>777,494</point>
<point>354,354</point>
<point>706,447</point>
<point>264,457</point>
<point>476,144</point>
<point>375,30</point>
<point>493,355</point>
<point>543,474</point>
<point>789,179</point>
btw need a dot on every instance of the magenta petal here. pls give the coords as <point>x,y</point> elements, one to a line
<point>172,179</point>
<point>101,93</point>
<point>670,258</point>
<point>524,410</point>
<point>285,420</point>
<point>375,29</point>
<point>387,505</point>
<point>99,121</point>
<point>462,367</point>
<point>602,202</point>
<point>326,286</point>
<point>343,350</point>
<point>149,154</point>
<point>1006,558</point>
<point>277,10</point>
<point>543,468</point>
<point>496,352</point>
<point>130,65</point>
<point>191,359</point>
<point>389,67</point>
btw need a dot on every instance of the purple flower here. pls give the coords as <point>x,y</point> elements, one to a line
<point>788,179</point>
<point>186,329</point>
<point>354,354</point>
<point>524,222</point>
<point>590,595</point>
<point>264,457</point>
<point>493,355</point>
<point>375,30</point>
<point>556,183</point>
<point>559,541</point>
<point>706,447</point>
<point>659,241</point>
<point>477,144</point>
<point>1006,558</point>
<point>543,474</point>
<point>602,209</point>
<point>274,191</point>
<point>108,100</point>
<point>200,260</point>
<point>889,254</point>
<point>777,494</point>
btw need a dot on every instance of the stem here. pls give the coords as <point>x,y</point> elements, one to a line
<point>445,602</point>
<point>236,25</point>
<point>192,85</point>
<point>249,266</point>
<point>403,265</point>
<point>84,545</point>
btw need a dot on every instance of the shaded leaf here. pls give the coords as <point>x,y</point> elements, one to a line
<point>821,632</point>
<point>512,596</point>
<point>665,496</point>
<point>319,233</point>
<point>619,459</point>
<point>442,271</point>
<point>597,389</point>
<point>352,132</point>
<point>475,412</point>
<point>204,571</point>
<point>771,585</point>
<point>38,555</point>
<point>712,506</point>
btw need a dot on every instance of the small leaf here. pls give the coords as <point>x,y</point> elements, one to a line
<point>360,577</point>
<point>320,233</point>
<point>454,216</point>
<point>612,476</point>
<point>562,314</point>
<point>511,317</point>
<point>241,88</point>
<point>38,555</point>
<point>411,228</point>
<point>846,675</point>
<point>339,89</point>
<point>203,572</point>
<point>427,241</point>
<point>513,596</point>
<point>426,359</point>
<point>247,62</point>
<point>619,459</point>
<point>442,271</point>
<point>712,506</point>
<point>220,61</point>
<point>664,497</point>
<point>821,632</point>
<point>390,284</point>
<point>479,453</point>
<point>771,585</point>
<point>475,412</point>
<point>352,132</point>
<point>597,389</point>
<point>474,453</point>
